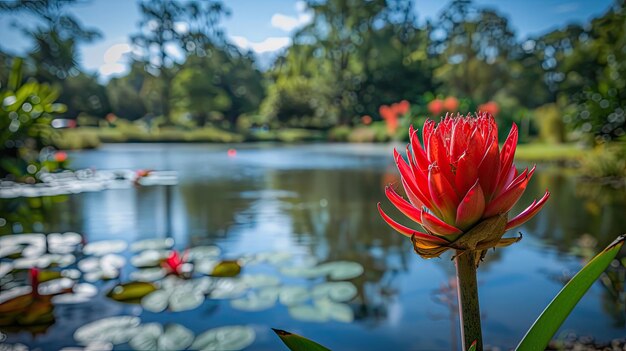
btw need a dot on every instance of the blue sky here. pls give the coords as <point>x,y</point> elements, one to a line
<point>265,26</point>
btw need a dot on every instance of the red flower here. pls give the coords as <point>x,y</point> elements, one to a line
<point>490,107</point>
<point>460,183</point>
<point>174,263</point>
<point>33,275</point>
<point>60,156</point>
<point>451,104</point>
<point>367,120</point>
<point>435,107</point>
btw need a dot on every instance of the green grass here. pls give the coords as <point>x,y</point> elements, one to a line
<point>568,153</point>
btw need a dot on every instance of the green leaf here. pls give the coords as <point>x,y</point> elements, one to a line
<point>226,269</point>
<point>557,311</point>
<point>296,342</point>
<point>472,346</point>
<point>131,292</point>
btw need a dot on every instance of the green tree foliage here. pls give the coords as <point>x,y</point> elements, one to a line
<point>25,131</point>
<point>364,54</point>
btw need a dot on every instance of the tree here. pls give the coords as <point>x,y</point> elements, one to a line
<point>158,37</point>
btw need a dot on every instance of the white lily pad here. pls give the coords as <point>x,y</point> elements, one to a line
<point>185,299</point>
<point>203,252</point>
<point>156,301</point>
<point>303,272</point>
<point>92,346</point>
<point>342,270</point>
<point>149,258</point>
<point>115,330</point>
<point>148,274</point>
<point>257,300</point>
<point>205,265</point>
<point>339,312</point>
<point>152,244</point>
<point>63,243</point>
<point>154,337</point>
<point>177,294</point>
<point>227,288</point>
<point>100,248</point>
<point>55,286</point>
<point>336,291</point>
<point>8,294</point>
<point>293,295</point>
<point>308,313</point>
<point>82,292</point>
<point>31,244</point>
<point>89,264</point>
<point>259,280</point>
<point>5,268</point>
<point>230,338</point>
<point>9,250</point>
<point>112,261</point>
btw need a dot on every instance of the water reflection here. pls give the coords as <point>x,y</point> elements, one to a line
<point>319,200</point>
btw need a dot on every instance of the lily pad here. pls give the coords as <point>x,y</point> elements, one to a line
<point>63,243</point>
<point>336,291</point>
<point>149,258</point>
<point>308,313</point>
<point>205,265</point>
<point>5,268</point>
<point>228,288</point>
<point>259,280</point>
<point>154,337</point>
<point>80,293</point>
<point>258,300</point>
<point>203,252</point>
<point>115,330</point>
<point>148,274</point>
<point>303,272</point>
<point>131,292</point>
<point>229,268</point>
<point>230,338</point>
<point>339,312</point>
<point>100,248</point>
<point>342,270</point>
<point>177,294</point>
<point>152,244</point>
<point>56,286</point>
<point>294,295</point>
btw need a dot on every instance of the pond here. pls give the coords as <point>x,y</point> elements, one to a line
<point>302,205</point>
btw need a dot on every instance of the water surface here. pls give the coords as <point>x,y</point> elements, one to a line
<point>320,200</point>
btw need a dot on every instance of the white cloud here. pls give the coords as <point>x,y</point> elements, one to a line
<point>114,60</point>
<point>289,23</point>
<point>268,45</point>
<point>115,53</point>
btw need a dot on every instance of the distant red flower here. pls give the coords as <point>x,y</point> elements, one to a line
<point>390,116</point>
<point>232,152</point>
<point>435,107</point>
<point>367,120</point>
<point>451,104</point>
<point>458,180</point>
<point>490,107</point>
<point>60,156</point>
<point>140,173</point>
<point>174,263</point>
<point>33,275</point>
<point>111,118</point>
<point>403,107</point>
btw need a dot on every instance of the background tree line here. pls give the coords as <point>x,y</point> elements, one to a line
<point>353,57</point>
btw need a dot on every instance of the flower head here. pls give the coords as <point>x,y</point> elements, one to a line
<point>33,275</point>
<point>60,156</point>
<point>460,186</point>
<point>174,262</point>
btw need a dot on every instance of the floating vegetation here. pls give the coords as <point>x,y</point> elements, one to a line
<point>86,180</point>
<point>162,279</point>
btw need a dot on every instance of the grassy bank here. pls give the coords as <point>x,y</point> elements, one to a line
<point>560,153</point>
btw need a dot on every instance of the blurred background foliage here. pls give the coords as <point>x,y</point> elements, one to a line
<point>353,57</point>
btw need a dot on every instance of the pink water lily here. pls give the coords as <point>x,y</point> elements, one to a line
<point>458,179</point>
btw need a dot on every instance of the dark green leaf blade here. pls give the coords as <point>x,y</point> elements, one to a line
<point>296,342</point>
<point>544,328</point>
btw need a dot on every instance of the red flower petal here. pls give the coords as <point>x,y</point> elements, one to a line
<point>404,206</point>
<point>437,226</point>
<point>506,201</point>
<point>528,213</point>
<point>442,194</point>
<point>408,231</point>
<point>489,168</point>
<point>508,153</point>
<point>471,208</point>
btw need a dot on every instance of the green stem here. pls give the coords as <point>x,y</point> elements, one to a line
<point>467,288</point>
